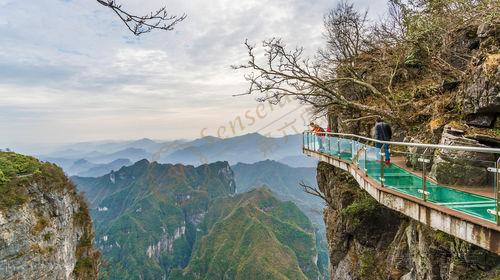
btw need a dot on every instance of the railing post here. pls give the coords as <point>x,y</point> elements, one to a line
<point>424,191</point>
<point>424,181</point>
<point>497,193</point>
<point>382,165</point>
<point>338,147</point>
<point>308,140</point>
<point>366,168</point>
<point>327,138</point>
<point>352,148</point>
<point>314,141</point>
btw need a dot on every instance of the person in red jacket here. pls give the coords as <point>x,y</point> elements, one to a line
<point>320,132</point>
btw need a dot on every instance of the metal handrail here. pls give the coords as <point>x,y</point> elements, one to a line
<point>419,145</point>
<point>424,191</point>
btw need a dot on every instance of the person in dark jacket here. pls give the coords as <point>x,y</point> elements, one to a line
<point>383,132</point>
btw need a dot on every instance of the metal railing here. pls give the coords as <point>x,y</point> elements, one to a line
<point>464,178</point>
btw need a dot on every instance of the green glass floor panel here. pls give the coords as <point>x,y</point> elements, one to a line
<point>401,180</point>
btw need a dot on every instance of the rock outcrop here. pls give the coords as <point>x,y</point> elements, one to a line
<point>482,89</point>
<point>45,230</point>
<point>459,167</point>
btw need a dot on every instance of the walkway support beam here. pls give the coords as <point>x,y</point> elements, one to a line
<point>468,228</point>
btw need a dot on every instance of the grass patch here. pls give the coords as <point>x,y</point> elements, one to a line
<point>37,249</point>
<point>41,224</point>
<point>48,236</point>
<point>356,211</point>
<point>17,172</point>
<point>367,265</point>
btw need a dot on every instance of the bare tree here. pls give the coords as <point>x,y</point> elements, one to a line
<point>313,191</point>
<point>354,74</point>
<point>287,73</point>
<point>160,19</point>
<point>345,34</point>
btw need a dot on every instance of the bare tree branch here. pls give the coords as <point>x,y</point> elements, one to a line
<point>287,73</point>
<point>313,191</point>
<point>138,25</point>
<point>361,118</point>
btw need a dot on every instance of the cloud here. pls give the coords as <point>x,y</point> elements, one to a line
<point>70,70</point>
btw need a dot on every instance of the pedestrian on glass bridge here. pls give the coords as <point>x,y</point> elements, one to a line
<point>383,132</point>
<point>320,132</point>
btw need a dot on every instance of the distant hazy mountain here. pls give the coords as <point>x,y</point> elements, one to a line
<point>253,236</point>
<point>248,148</point>
<point>132,154</point>
<point>98,170</point>
<point>94,149</point>
<point>299,161</point>
<point>74,154</point>
<point>79,166</point>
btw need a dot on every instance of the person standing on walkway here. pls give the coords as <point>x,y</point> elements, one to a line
<point>320,132</point>
<point>383,132</point>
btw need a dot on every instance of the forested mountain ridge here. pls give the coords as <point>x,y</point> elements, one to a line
<point>152,219</point>
<point>284,181</point>
<point>146,215</point>
<point>254,236</point>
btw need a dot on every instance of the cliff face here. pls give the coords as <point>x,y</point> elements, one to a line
<point>370,241</point>
<point>45,228</point>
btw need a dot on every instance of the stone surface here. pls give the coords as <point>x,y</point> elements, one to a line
<point>460,167</point>
<point>46,237</point>
<point>463,41</point>
<point>481,120</point>
<point>414,153</point>
<point>481,91</point>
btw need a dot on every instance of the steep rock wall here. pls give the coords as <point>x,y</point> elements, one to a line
<point>49,235</point>
<point>370,241</point>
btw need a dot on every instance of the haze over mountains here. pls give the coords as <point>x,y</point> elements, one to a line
<point>99,158</point>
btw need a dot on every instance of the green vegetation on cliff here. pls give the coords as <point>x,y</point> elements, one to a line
<point>284,181</point>
<point>14,172</point>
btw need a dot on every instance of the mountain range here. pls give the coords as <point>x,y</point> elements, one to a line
<point>102,157</point>
<point>165,221</point>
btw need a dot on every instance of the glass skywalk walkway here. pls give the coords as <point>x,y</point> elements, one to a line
<point>370,159</point>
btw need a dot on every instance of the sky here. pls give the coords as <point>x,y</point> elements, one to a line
<point>70,71</point>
